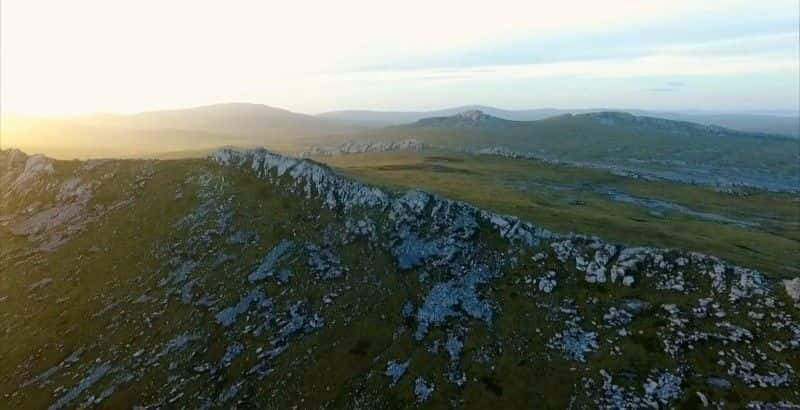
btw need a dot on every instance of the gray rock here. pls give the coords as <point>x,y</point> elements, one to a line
<point>357,147</point>
<point>309,178</point>
<point>719,383</point>
<point>268,264</point>
<point>574,342</point>
<point>547,283</point>
<point>323,262</point>
<point>663,388</point>
<point>444,297</point>
<point>231,353</point>
<point>95,374</point>
<point>227,316</point>
<point>422,390</point>
<point>36,168</point>
<point>453,347</point>
<point>395,370</point>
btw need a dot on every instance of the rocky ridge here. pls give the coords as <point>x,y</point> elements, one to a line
<point>467,298</point>
<point>360,147</point>
<point>455,224</point>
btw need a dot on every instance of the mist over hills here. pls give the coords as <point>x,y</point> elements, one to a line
<point>169,130</point>
<point>240,119</point>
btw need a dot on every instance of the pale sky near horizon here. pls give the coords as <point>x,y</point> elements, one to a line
<point>80,56</point>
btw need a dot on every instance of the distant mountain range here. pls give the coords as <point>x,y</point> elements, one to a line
<point>780,123</point>
<point>593,136</point>
<point>239,119</point>
<point>171,130</point>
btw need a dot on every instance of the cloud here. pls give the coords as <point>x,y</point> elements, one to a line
<point>648,66</point>
<point>280,53</point>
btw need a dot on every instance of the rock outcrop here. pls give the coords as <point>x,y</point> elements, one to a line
<point>360,147</point>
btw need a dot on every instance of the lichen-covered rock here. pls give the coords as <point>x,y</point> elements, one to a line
<point>780,405</point>
<point>422,389</point>
<point>574,342</point>
<point>231,353</point>
<point>255,297</point>
<point>268,264</point>
<point>395,370</point>
<point>617,317</point>
<point>663,388</point>
<point>441,302</point>
<point>595,273</point>
<point>547,283</point>
<point>308,177</point>
<point>453,347</point>
<point>360,229</point>
<point>324,262</point>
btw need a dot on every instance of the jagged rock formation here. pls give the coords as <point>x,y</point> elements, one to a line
<point>56,206</point>
<point>360,147</point>
<point>265,280</point>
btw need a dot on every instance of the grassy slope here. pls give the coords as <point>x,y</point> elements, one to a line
<point>585,139</point>
<point>493,183</point>
<point>339,366</point>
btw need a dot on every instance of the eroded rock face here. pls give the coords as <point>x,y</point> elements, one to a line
<point>59,206</point>
<point>57,201</point>
<point>307,177</point>
<point>37,167</point>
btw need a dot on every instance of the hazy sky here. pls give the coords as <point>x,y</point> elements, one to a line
<point>66,57</point>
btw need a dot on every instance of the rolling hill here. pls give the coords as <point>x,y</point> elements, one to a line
<point>237,119</point>
<point>155,132</point>
<point>674,149</point>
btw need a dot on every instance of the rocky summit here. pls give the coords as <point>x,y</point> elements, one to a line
<point>253,280</point>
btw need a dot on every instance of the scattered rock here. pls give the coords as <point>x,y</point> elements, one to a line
<point>422,390</point>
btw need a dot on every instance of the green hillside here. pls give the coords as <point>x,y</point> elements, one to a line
<point>253,280</point>
<point>677,150</point>
<point>758,229</point>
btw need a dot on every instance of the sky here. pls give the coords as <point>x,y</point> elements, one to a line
<point>81,56</point>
